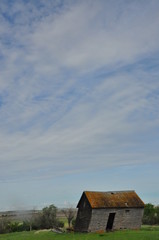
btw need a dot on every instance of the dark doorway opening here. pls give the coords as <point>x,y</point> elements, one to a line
<point>110,221</point>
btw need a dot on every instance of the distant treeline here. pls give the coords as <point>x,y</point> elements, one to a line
<point>45,219</point>
<point>48,218</point>
<point>151,214</point>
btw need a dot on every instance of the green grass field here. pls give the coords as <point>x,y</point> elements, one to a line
<point>146,233</point>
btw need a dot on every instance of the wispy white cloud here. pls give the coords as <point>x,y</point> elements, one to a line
<point>78,86</point>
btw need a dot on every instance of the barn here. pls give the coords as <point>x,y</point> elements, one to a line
<point>105,211</point>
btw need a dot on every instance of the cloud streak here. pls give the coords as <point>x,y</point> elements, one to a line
<point>78,86</point>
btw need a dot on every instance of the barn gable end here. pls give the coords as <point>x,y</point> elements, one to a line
<point>83,215</point>
<point>101,211</point>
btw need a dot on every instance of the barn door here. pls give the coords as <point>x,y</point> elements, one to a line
<point>110,221</point>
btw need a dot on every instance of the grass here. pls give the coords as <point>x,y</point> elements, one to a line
<point>146,233</point>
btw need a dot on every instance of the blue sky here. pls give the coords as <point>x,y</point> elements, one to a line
<point>79,97</point>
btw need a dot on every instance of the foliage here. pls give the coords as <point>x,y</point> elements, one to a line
<point>151,214</point>
<point>14,226</point>
<point>48,217</point>
<point>60,224</point>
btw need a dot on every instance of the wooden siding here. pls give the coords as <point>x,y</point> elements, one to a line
<point>83,216</point>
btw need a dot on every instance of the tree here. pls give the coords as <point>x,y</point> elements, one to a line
<point>48,217</point>
<point>157,214</point>
<point>69,214</point>
<point>151,214</point>
<point>4,225</point>
<point>30,218</point>
<point>149,209</point>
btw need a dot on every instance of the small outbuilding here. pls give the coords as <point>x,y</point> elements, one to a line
<point>105,211</point>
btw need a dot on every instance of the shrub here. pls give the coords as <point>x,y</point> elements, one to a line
<point>60,224</point>
<point>73,222</point>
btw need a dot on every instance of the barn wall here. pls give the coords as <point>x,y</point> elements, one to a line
<point>83,216</point>
<point>124,219</point>
<point>128,220</point>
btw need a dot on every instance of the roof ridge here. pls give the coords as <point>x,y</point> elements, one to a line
<point>110,191</point>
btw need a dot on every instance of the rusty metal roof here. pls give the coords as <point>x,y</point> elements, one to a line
<point>117,199</point>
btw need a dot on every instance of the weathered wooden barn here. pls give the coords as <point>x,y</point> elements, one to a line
<point>105,211</point>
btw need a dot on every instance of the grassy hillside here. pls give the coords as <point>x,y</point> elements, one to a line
<point>146,233</point>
